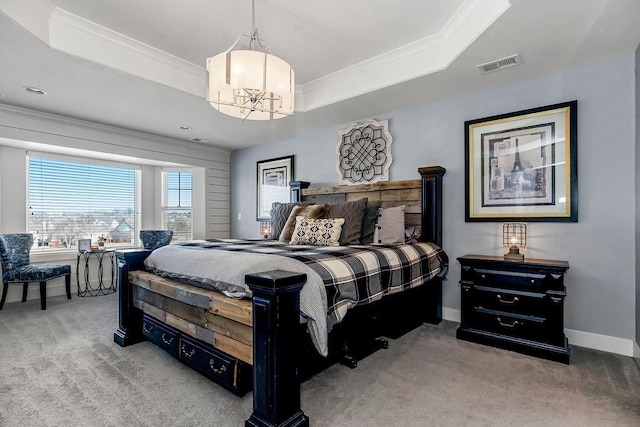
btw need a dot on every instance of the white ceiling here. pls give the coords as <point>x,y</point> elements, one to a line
<point>140,65</point>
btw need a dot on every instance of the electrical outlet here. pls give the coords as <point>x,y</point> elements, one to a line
<point>239,216</point>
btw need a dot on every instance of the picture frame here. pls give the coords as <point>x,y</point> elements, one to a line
<point>273,178</point>
<point>523,166</point>
<point>84,245</point>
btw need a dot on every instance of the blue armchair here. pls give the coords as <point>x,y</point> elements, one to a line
<point>16,268</point>
<point>154,239</point>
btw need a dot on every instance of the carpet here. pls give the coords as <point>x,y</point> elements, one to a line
<point>60,367</point>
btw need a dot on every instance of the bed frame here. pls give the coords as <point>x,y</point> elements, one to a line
<point>274,312</point>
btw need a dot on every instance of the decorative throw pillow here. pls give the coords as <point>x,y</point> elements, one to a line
<point>309,211</point>
<point>412,234</point>
<point>317,232</point>
<point>352,212</point>
<point>390,228</point>
<point>369,222</point>
<point>279,215</point>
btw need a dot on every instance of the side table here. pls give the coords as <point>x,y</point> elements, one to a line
<point>90,289</point>
<point>517,305</point>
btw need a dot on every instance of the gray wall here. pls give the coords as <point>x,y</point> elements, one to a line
<point>600,248</point>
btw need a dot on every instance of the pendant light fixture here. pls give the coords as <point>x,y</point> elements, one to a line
<point>251,84</point>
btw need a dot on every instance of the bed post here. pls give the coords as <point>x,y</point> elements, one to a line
<point>276,372</point>
<point>432,232</point>
<point>296,190</point>
<point>130,318</point>
<point>432,204</point>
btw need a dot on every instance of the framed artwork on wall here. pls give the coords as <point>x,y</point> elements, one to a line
<point>364,153</point>
<point>523,166</point>
<point>274,176</point>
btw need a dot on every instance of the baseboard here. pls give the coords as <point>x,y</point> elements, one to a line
<point>451,314</point>
<point>606,343</point>
<point>622,346</point>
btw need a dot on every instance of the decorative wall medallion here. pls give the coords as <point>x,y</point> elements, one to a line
<point>364,153</point>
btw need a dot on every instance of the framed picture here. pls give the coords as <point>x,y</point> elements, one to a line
<point>274,176</point>
<point>523,166</point>
<point>84,245</point>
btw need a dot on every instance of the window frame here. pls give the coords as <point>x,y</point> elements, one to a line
<point>164,196</point>
<point>90,161</point>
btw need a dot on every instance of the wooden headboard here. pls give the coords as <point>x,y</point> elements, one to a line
<point>422,198</point>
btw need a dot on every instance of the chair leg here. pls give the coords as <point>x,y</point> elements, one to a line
<point>5,286</point>
<point>43,295</point>
<point>25,285</point>
<point>67,284</point>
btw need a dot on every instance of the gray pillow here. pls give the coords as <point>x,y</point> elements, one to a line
<point>352,212</point>
<point>369,222</point>
<point>390,228</point>
<point>279,215</point>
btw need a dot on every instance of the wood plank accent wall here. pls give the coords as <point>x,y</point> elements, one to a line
<point>218,203</point>
<point>395,193</point>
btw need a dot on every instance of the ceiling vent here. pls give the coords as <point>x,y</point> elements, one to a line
<point>500,64</point>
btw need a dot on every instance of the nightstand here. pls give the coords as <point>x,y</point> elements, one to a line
<point>516,305</point>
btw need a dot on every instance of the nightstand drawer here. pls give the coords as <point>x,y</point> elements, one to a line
<point>512,301</point>
<point>499,278</point>
<point>531,328</point>
<point>160,334</point>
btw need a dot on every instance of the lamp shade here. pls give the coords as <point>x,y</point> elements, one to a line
<point>251,84</point>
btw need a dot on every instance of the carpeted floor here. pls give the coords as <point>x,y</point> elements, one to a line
<point>60,367</point>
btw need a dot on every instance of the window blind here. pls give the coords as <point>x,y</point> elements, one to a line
<point>70,201</point>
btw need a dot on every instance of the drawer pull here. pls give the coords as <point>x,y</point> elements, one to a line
<point>508,325</point>
<point>147,328</point>
<point>220,370</point>
<point>484,276</point>
<point>504,301</point>
<point>165,340</point>
<point>189,354</point>
<point>533,281</point>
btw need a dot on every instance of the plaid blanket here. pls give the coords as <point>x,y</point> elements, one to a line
<point>352,275</point>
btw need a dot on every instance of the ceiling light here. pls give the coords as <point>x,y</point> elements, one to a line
<point>251,84</point>
<point>34,90</point>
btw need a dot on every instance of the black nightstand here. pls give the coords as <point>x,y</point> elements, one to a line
<point>517,305</point>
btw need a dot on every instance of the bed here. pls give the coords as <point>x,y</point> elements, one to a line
<point>304,304</point>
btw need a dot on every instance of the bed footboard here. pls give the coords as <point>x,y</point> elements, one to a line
<point>276,315</point>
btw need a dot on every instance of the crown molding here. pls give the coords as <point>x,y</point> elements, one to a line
<point>77,36</point>
<point>416,59</point>
<point>80,37</point>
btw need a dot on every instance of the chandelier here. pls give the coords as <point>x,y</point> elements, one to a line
<point>251,84</point>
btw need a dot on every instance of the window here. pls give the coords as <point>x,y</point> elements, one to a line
<point>177,204</point>
<point>70,201</point>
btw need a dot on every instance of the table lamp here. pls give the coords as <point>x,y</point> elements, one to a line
<point>265,228</point>
<point>514,237</point>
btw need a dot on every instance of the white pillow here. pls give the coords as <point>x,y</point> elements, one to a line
<point>317,232</point>
<point>390,226</point>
